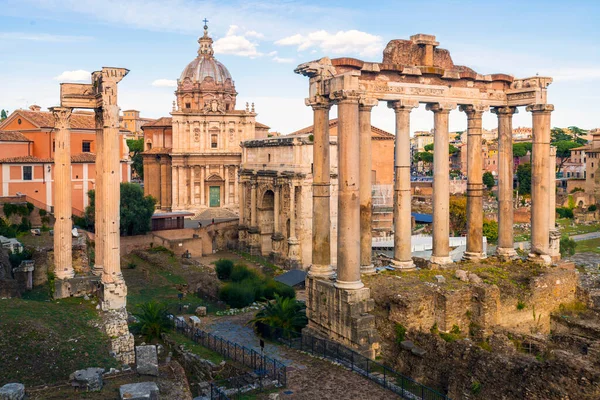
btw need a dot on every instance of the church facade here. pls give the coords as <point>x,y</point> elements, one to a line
<point>192,159</point>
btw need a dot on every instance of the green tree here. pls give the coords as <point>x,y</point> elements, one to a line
<point>577,134</point>
<point>153,319</point>
<point>136,147</point>
<point>488,180</point>
<point>490,230</point>
<point>521,149</point>
<point>283,313</point>
<point>3,114</point>
<point>524,178</point>
<point>458,214</point>
<point>451,148</point>
<point>136,209</point>
<point>567,246</point>
<point>558,134</point>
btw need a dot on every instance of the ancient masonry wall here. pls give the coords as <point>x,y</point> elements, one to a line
<point>121,340</point>
<point>483,307</point>
<point>342,315</point>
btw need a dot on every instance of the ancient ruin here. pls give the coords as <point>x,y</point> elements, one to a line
<point>412,72</point>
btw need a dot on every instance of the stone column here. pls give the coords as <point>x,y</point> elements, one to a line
<point>321,232</point>
<point>202,178</point>
<point>365,191</point>
<point>540,183</point>
<point>175,188</point>
<point>441,183</point>
<point>293,243</point>
<point>554,232</point>
<point>183,186</point>
<point>276,209</point>
<point>505,247</point>
<point>99,190</point>
<point>253,219</point>
<point>163,185</point>
<point>226,189</point>
<point>63,242</point>
<point>192,186</point>
<point>348,249</point>
<point>236,171</point>
<point>474,249</point>
<point>402,195</point>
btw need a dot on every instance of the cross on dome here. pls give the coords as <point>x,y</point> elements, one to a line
<point>205,42</point>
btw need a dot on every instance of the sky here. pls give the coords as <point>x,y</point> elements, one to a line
<point>45,42</point>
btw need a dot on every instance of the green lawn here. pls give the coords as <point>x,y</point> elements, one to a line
<point>566,228</point>
<point>588,246</point>
<point>44,341</point>
<point>197,349</point>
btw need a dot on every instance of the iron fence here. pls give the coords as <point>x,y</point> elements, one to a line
<point>390,379</point>
<point>263,366</point>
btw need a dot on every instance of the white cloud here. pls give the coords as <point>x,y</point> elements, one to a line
<point>237,45</point>
<point>79,75</point>
<point>164,83</point>
<point>283,60</point>
<point>572,73</point>
<point>272,54</point>
<point>255,34</point>
<point>341,42</point>
<point>42,37</point>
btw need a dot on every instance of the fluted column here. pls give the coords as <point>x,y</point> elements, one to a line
<point>540,183</point>
<point>348,249</point>
<point>175,188</point>
<point>99,193</point>
<point>402,195</point>
<point>226,189</point>
<point>505,247</point>
<point>366,201</point>
<point>554,232</point>
<point>236,171</point>
<point>441,184</point>
<point>202,178</point>
<point>192,186</point>
<point>321,233</point>
<point>474,249</point>
<point>63,242</point>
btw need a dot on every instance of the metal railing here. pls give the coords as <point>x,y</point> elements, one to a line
<point>390,379</point>
<point>262,365</point>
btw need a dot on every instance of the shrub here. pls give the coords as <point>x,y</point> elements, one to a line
<point>520,305</point>
<point>564,212</point>
<point>43,212</point>
<point>223,268</point>
<point>241,272</point>
<point>476,387</point>
<point>592,208</point>
<point>567,246</point>
<point>16,258</point>
<point>272,288</point>
<point>131,265</point>
<point>282,313</point>
<point>490,230</point>
<point>577,189</point>
<point>400,333</point>
<point>237,295</point>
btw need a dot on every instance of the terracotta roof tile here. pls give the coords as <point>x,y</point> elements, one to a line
<point>333,123</point>
<point>158,150</point>
<point>162,121</point>
<point>13,136</point>
<point>26,159</point>
<point>262,126</point>
<point>83,158</point>
<point>45,119</point>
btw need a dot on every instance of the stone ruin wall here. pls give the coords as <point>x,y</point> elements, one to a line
<point>485,306</point>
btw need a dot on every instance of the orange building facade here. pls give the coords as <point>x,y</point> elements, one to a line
<point>27,157</point>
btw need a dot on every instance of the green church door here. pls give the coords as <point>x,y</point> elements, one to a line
<point>215,196</point>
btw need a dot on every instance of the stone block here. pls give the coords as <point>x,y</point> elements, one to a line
<point>440,279</point>
<point>475,279</point>
<point>89,379</point>
<point>12,391</point>
<point>201,311</point>
<point>139,391</point>
<point>195,321</point>
<point>462,275</point>
<point>146,360</point>
<point>78,286</point>
<point>407,345</point>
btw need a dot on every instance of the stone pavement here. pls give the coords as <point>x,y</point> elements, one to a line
<point>585,236</point>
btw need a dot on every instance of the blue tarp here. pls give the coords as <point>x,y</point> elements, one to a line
<point>423,218</point>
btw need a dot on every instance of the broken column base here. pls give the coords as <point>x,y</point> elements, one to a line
<point>473,256</point>
<point>113,295</point>
<point>543,259</point>
<point>555,245</point>
<point>78,286</point>
<point>114,324</point>
<point>506,253</point>
<point>402,265</point>
<point>342,315</point>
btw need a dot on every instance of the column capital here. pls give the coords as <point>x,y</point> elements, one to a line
<point>540,108</point>
<point>403,105</point>
<point>440,107</point>
<point>62,117</point>
<point>318,102</point>
<point>504,110</point>
<point>345,96</point>
<point>367,103</point>
<point>473,110</point>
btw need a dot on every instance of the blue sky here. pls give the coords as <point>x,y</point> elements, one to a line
<point>44,42</point>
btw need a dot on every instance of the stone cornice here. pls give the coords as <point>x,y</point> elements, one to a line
<point>440,107</point>
<point>405,104</point>
<point>509,111</point>
<point>540,108</point>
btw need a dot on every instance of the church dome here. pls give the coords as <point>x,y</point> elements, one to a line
<point>203,67</point>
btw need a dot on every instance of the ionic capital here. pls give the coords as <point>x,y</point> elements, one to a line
<point>367,103</point>
<point>318,103</point>
<point>473,110</point>
<point>345,96</point>
<point>540,108</point>
<point>62,117</point>
<point>443,108</point>
<point>403,105</point>
<point>505,110</point>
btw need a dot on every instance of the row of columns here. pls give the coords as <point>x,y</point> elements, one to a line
<point>184,194</point>
<point>354,199</point>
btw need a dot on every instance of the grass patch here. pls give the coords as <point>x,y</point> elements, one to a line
<point>43,341</point>
<point>588,246</point>
<point>195,348</point>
